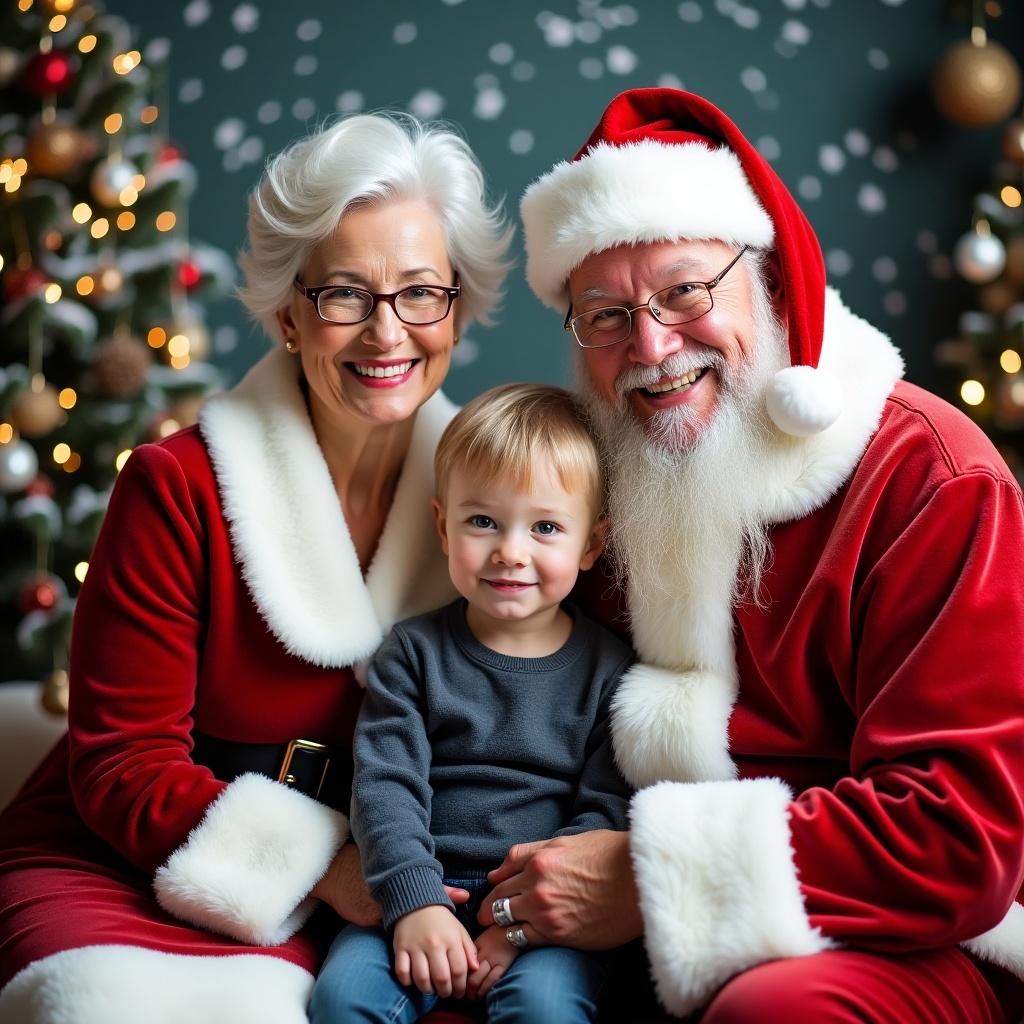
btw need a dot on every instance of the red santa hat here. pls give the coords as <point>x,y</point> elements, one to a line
<point>664,165</point>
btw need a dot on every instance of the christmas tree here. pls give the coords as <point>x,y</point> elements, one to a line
<point>101,336</point>
<point>977,84</point>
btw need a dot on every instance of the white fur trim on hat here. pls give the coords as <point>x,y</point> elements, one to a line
<point>635,194</point>
<point>804,400</point>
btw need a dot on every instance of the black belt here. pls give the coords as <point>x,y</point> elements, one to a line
<point>319,770</point>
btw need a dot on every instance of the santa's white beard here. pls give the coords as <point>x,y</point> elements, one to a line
<point>686,499</point>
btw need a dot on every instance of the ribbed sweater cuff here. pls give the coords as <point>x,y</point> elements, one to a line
<point>409,890</point>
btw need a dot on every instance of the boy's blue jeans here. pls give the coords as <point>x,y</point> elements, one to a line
<point>545,985</point>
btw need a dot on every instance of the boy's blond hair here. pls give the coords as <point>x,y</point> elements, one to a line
<point>500,435</point>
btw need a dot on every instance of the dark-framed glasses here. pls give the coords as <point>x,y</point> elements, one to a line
<point>418,305</point>
<point>677,304</point>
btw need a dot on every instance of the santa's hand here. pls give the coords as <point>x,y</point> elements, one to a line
<point>574,890</point>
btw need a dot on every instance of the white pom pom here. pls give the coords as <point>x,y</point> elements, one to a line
<point>803,400</point>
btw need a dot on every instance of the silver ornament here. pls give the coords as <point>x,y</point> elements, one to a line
<point>109,178</point>
<point>18,466</point>
<point>979,258</point>
<point>10,65</point>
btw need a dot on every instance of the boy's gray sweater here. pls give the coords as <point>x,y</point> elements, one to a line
<point>461,752</point>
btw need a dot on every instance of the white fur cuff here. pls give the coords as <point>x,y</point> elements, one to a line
<point>1004,944</point>
<point>247,867</point>
<point>718,887</point>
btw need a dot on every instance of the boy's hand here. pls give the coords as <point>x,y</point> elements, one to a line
<point>496,955</point>
<point>434,952</point>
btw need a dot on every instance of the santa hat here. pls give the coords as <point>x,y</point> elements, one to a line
<point>664,165</point>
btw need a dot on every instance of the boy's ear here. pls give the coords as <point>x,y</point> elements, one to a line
<point>595,545</point>
<point>441,523</point>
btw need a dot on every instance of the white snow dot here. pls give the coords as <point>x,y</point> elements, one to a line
<point>885,159</point>
<point>233,57</point>
<point>251,150</point>
<point>606,17</point>
<point>884,270</point>
<point>670,81</point>
<point>306,65</point>
<point>857,142</point>
<point>225,339</point>
<point>426,104</point>
<point>627,15</point>
<point>839,262</point>
<point>245,18</point>
<point>229,133</point>
<point>523,71</point>
<point>489,104</point>
<point>232,161</point>
<point>621,60</point>
<point>768,147</point>
<point>303,109</point>
<point>196,12</point>
<point>893,3</point>
<point>486,81</point>
<point>348,102</point>
<point>587,31</point>
<point>831,159</point>
<point>784,49</point>
<point>405,32</point>
<point>726,7</point>
<point>501,53</point>
<point>591,67</point>
<point>690,12</point>
<point>895,303</point>
<point>452,3</point>
<point>927,241</point>
<point>753,79</point>
<point>558,31</point>
<point>796,32</point>
<point>158,49</point>
<point>809,187</point>
<point>870,198</point>
<point>309,30</point>
<point>794,5</point>
<point>940,266</point>
<point>878,59</point>
<point>746,17</point>
<point>767,100</point>
<point>268,112</point>
<point>521,141</point>
<point>191,89</point>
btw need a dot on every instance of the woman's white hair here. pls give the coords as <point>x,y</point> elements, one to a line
<point>363,159</point>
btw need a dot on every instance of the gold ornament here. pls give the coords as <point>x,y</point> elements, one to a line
<point>55,692</point>
<point>1013,141</point>
<point>107,280</point>
<point>975,85</point>
<point>58,149</point>
<point>121,366</point>
<point>37,413</point>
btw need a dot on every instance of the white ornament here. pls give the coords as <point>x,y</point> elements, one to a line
<point>18,466</point>
<point>979,258</point>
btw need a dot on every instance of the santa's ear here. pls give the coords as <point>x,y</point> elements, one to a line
<point>776,285</point>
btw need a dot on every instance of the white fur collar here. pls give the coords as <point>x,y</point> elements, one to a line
<point>670,719</point>
<point>288,533</point>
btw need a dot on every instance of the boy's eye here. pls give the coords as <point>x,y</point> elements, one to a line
<point>546,529</point>
<point>481,522</point>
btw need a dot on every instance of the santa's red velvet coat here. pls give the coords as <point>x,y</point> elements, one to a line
<point>224,595</point>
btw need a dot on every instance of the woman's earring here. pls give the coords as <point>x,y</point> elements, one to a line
<point>291,346</point>
<point>455,340</point>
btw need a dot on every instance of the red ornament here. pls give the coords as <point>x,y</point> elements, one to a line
<point>42,485</point>
<point>40,593</point>
<point>19,284</point>
<point>169,154</point>
<point>48,74</point>
<point>189,274</point>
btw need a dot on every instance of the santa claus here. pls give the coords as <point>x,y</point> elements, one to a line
<point>820,566</point>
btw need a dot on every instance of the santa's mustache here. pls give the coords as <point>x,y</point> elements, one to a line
<point>676,365</point>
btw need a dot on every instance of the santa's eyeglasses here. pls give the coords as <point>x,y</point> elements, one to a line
<point>677,304</point>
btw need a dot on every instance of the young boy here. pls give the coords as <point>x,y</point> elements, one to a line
<point>485,724</point>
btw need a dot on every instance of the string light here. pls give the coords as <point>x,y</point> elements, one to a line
<point>149,114</point>
<point>166,220</point>
<point>156,337</point>
<point>121,459</point>
<point>87,43</point>
<point>100,227</point>
<point>126,62</point>
<point>1,261</point>
<point>80,570</point>
<point>126,220</point>
<point>180,362</point>
<point>1010,361</point>
<point>52,292</point>
<point>73,463</point>
<point>111,279</point>
<point>6,433</point>
<point>12,184</point>
<point>57,22</point>
<point>112,123</point>
<point>24,5</point>
<point>67,398</point>
<point>52,240</point>
<point>168,427</point>
<point>972,392</point>
<point>20,167</point>
<point>178,346</point>
<point>6,171</point>
<point>81,213</point>
<point>84,285</point>
<point>127,196</point>
<point>63,5</point>
<point>139,182</point>
<point>1010,196</point>
<point>61,453</point>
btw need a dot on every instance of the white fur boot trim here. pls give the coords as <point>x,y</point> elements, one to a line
<point>804,400</point>
<point>247,867</point>
<point>718,886</point>
<point>131,985</point>
<point>672,726</point>
<point>1004,944</point>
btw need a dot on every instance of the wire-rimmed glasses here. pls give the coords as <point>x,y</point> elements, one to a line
<point>677,304</point>
<point>417,305</point>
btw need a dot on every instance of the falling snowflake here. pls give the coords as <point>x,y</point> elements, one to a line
<point>857,142</point>
<point>229,133</point>
<point>191,90</point>
<point>753,79</point>
<point>521,141</point>
<point>690,12</point>
<point>245,18</point>
<point>309,30</point>
<point>831,159</point>
<point>426,104</point>
<point>269,112</point>
<point>870,198</point>
<point>501,53</point>
<point>405,32</point>
<point>233,57</point>
<point>196,12</point>
<point>489,104</point>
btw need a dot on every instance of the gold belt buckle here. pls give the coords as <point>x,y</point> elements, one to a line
<point>285,774</point>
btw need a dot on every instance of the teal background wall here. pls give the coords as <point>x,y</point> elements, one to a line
<point>834,92</point>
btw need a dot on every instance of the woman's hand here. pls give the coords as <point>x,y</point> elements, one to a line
<point>496,955</point>
<point>434,952</point>
<point>343,888</point>
<point>574,891</point>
